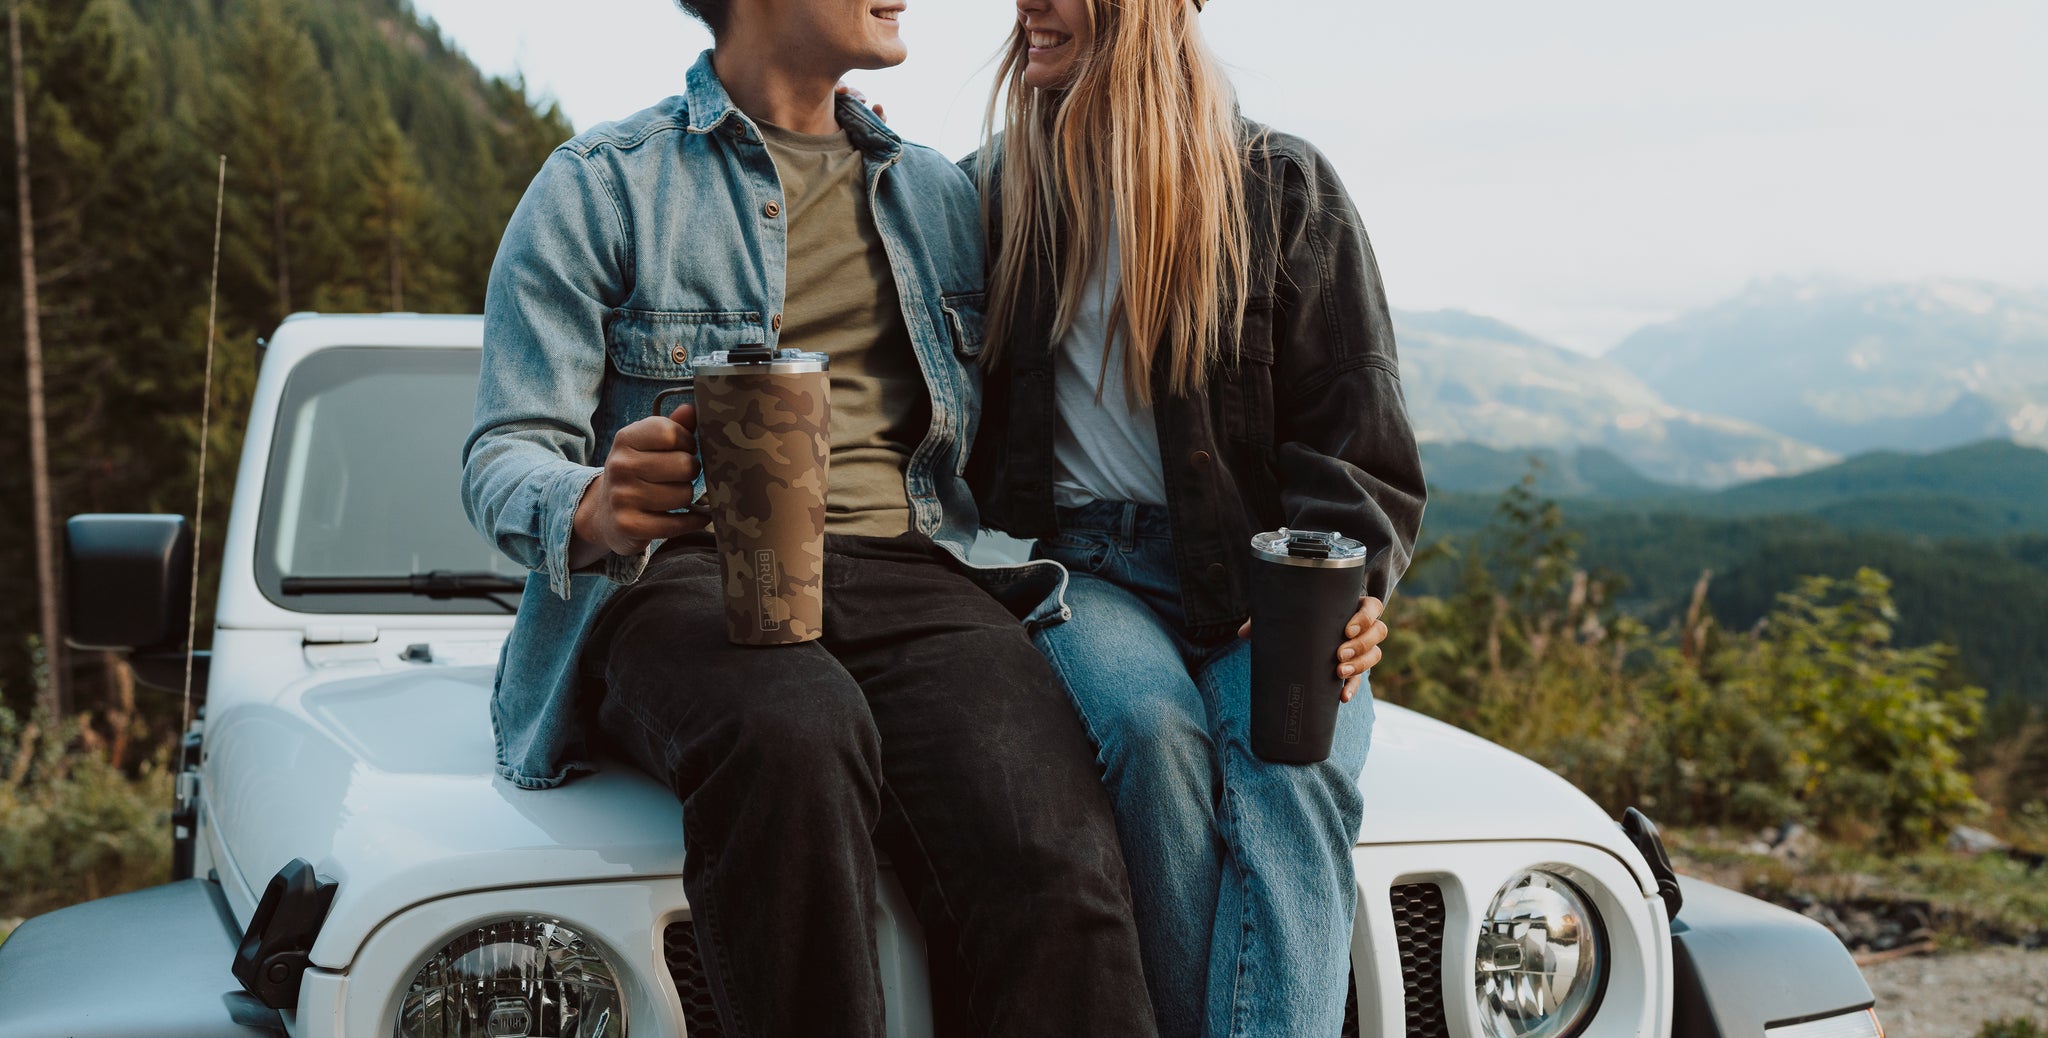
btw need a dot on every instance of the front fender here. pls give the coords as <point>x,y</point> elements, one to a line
<point>151,964</point>
<point>1741,965</point>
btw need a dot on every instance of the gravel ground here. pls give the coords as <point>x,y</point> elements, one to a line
<point>1950,996</point>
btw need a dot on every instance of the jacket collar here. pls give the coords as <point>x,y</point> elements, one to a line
<point>711,108</point>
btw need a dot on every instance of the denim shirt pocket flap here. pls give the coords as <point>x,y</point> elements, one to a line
<point>669,344</point>
<point>966,316</point>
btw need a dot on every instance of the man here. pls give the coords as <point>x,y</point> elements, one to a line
<point>756,208</point>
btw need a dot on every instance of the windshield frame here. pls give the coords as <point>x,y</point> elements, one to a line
<point>317,373</point>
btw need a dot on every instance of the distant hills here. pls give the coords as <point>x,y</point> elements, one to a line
<point>1984,489</point>
<point>1853,368</point>
<point>1963,533</point>
<point>1586,472</point>
<point>1471,379</point>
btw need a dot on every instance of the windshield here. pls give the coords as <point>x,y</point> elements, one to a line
<point>365,479</point>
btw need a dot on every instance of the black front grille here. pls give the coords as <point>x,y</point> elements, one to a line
<point>700,1014</point>
<point>1418,923</point>
<point>1419,926</point>
<point>1350,1007</point>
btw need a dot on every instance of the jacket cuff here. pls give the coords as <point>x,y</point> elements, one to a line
<point>558,524</point>
<point>626,569</point>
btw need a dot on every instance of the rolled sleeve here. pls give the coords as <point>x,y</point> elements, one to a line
<point>560,272</point>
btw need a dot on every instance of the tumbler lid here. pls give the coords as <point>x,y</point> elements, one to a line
<point>1311,548</point>
<point>760,360</point>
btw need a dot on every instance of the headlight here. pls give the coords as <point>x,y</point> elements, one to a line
<point>1542,958</point>
<point>525,977</point>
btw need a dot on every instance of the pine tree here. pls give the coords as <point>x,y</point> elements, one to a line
<point>53,699</point>
<point>278,120</point>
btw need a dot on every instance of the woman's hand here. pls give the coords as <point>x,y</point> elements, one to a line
<point>1360,651</point>
<point>842,88</point>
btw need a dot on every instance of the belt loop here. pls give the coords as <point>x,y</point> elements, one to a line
<point>1128,526</point>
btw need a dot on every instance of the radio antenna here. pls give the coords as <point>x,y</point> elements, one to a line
<point>220,201</point>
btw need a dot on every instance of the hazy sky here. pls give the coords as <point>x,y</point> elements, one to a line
<point>1579,168</point>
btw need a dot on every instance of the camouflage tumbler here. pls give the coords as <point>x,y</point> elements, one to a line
<point>762,420</point>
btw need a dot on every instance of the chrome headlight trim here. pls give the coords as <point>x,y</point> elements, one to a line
<point>517,974</point>
<point>1541,912</point>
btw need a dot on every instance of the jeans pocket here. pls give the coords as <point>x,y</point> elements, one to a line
<point>1079,552</point>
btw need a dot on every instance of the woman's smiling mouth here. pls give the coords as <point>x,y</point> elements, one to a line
<point>1042,40</point>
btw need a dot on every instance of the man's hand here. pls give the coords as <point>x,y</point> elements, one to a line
<point>1360,651</point>
<point>650,473</point>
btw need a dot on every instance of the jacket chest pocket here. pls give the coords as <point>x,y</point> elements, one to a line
<point>1245,389</point>
<point>666,346</point>
<point>648,351</point>
<point>966,321</point>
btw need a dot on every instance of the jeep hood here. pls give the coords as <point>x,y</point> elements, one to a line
<point>386,783</point>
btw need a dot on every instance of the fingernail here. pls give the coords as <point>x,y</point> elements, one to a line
<point>1346,654</point>
<point>1352,630</point>
<point>1345,670</point>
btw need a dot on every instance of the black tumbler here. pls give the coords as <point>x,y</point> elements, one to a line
<point>1305,585</point>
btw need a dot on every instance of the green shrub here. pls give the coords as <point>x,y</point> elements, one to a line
<point>1815,716</point>
<point>2011,1027</point>
<point>74,827</point>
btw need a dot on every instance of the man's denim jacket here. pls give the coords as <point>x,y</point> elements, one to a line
<point>642,246</point>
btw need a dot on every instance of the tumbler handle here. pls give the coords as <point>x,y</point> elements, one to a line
<point>688,388</point>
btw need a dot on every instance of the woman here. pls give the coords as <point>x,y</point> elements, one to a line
<point>1188,346</point>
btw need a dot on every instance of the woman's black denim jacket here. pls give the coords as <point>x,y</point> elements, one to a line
<point>1302,424</point>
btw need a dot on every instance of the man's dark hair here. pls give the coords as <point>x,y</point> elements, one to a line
<point>713,13</point>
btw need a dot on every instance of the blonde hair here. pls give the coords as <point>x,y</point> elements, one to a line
<point>1144,140</point>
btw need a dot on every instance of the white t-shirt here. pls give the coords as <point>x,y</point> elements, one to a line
<point>1106,451</point>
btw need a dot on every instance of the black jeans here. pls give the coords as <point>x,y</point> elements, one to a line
<point>924,711</point>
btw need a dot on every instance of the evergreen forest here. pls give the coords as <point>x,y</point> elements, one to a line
<point>370,167</point>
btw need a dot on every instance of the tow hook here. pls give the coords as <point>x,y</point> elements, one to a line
<point>277,948</point>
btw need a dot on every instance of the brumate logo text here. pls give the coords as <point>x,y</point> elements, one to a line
<point>1291,735</point>
<point>766,581</point>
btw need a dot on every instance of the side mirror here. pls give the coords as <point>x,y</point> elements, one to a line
<point>127,580</point>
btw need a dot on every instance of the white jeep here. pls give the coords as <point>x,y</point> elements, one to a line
<point>349,864</point>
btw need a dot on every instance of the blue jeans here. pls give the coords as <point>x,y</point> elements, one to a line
<point>1240,869</point>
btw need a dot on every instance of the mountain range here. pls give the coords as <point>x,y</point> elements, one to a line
<point>1472,379</point>
<point>1853,368</point>
<point>1785,377</point>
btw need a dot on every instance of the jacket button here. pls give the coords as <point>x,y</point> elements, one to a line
<point>1200,458</point>
<point>679,355</point>
<point>1218,571</point>
<point>771,210</point>
<point>775,322</point>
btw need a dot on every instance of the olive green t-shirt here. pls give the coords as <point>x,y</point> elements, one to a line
<point>841,301</point>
